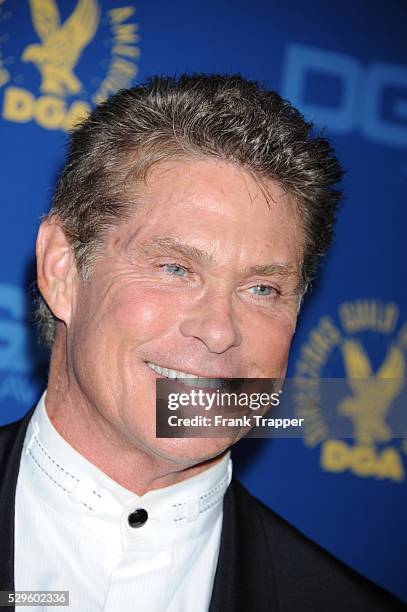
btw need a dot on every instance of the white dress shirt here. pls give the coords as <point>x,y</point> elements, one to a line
<point>72,531</point>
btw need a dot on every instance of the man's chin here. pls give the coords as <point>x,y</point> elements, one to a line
<point>189,452</point>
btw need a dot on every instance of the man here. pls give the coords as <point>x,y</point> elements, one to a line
<point>186,225</point>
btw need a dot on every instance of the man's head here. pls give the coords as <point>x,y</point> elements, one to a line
<point>186,225</point>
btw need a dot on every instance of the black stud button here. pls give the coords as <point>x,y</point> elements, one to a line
<point>138,518</point>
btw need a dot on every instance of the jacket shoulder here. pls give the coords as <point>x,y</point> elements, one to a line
<point>11,443</point>
<point>306,575</point>
<point>12,432</point>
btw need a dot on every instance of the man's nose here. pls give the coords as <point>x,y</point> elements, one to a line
<point>213,321</point>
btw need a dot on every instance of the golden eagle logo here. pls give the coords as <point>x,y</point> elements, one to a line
<point>371,398</point>
<point>62,45</point>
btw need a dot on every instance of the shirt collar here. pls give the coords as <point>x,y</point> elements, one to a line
<point>71,484</point>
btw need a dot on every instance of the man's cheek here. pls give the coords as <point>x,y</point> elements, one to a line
<point>271,351</point>
<point>145,315</point>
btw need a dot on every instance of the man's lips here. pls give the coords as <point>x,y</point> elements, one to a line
<point>172,372</point>
<point>190,379</point>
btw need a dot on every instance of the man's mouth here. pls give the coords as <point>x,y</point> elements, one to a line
<point>188,378</point>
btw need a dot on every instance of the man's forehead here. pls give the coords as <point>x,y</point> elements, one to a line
<point>264,234</point>
<point>167,176</point>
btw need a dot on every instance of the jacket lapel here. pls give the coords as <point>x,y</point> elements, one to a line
<point>244,578</point>
<point>11,444</point>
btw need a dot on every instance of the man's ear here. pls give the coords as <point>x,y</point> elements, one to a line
<point>56,269</point>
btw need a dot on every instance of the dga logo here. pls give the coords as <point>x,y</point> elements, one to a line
<point>18,351</point>
<point>58,59</point>
<point>365,345</point>
<point>346,95</point>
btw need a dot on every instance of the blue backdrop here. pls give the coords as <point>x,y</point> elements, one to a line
<point>345,65</point>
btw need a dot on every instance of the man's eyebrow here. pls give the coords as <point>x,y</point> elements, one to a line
<point>282,269</point>
<point>169,245</point>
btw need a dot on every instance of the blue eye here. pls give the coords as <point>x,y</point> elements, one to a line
<point>263,290</point>
<point>175,269</point>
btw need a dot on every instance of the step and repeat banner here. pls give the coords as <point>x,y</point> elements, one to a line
<point>345,66</point>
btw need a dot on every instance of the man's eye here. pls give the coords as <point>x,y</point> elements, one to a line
<point>175,269</point>
<point>263,290</point>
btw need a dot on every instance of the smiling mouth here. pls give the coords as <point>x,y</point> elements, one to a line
<point>187,378</point>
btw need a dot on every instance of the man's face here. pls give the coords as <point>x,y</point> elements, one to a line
<point>202,280</point>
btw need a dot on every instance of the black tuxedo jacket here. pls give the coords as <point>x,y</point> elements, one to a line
<point>265,564</point>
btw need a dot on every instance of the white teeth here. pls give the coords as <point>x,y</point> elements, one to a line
<point>189,379</point>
